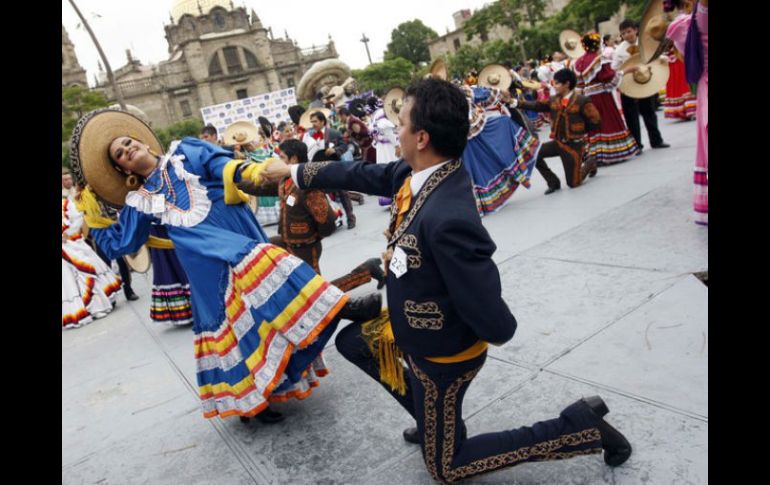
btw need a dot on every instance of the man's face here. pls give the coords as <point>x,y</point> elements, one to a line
<point>66,181</point>
<point>561,88</point>
<point>629,34</point>
<point>289,161</point>
<point>288,132</point>
<point>208,137</point>
<point>407,139</point>
<point>318,125</point>
<point>558,56</point>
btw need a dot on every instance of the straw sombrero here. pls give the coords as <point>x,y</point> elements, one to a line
<point>570,43</point>
<point>304,120</point>
<point>652,30</point>
<point>495,76</point>
<point>241,132</point>
<point>393,101</point>
<point>645,82</point>
<point>89,151</point>
<point>139,262</point>
<point>438,69</point>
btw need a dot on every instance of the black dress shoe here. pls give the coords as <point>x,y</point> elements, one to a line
<point>375,270</point>
<point>130,295</point>
<point>268,416</point>
<point>363,308</point>
<point>616,447</point>
<point>662,145</point>
<point>552,189</point>
<point>412,436</point>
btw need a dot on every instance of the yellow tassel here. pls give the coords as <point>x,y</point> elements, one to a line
<point>92,213</point>
<point>378,335</point>
<point>159,243</point>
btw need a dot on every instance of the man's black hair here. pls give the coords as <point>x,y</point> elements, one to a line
<point>606,38</point>
<point>441,109</point>
<point>210,130</point>
<point>343,111</point>
<point>566,76</point>
<point>320,115</point>
<point>294,148</point>
<point>628,23</point>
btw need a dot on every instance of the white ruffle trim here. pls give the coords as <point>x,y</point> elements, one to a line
<point>200,205</point>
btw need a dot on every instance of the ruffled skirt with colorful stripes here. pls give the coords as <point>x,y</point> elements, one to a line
<point>171,298</point>
<point>499,159</point>
<point>680,102</point>
<point>88,285</point>
<point>612,142</point>
<point>279,316</point>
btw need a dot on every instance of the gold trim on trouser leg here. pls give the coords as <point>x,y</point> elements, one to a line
<point>429,420</point>
<point>542,451</point>
<point>577,179</point>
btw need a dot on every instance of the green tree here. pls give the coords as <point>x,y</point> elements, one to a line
<point>465,59</point>
<point>179,130</point>
<point>410,41</point>
<point>509,13</point>
<point>75,102</point>
<point>381,76</point>
<point>499,52</point>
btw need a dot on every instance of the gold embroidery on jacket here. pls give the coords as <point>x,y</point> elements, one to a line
<point>427,315</point>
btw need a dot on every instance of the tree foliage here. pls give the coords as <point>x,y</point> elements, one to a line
<point>410,41</point>
<point>179,130</point>
<point>381,76</point>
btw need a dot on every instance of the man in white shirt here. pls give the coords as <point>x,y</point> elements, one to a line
<point>632,107</point>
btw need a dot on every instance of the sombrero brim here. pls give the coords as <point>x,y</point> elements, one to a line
<point>495,69</point>
<point>140,261</point>
<point>567,35</point>
<point>647,43</point>
<point>89,151</point>
<point>391,103</point>
<point>246,127</point>
<point>658,79</point>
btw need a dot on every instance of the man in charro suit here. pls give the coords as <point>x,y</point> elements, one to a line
<point>573,115</point>
<point>326,143</point>
<point>444,297</point>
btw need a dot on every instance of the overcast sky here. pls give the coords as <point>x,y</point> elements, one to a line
<point>138,25</point>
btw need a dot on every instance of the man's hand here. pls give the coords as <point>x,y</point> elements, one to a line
<point>329,151</point>
<point>275,171</point>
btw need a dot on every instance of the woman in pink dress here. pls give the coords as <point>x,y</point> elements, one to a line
<point>677,32</point>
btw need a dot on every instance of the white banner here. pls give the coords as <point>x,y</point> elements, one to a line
<point>274,106</point>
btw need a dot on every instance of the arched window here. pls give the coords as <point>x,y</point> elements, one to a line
<point>251,60</point>
<point>215,68</point>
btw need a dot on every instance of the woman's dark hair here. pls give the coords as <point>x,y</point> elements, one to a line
<point>294,148</point>
<point>319,115</point>
<point>566,76</point>
<point>606,38</point>
<point>281,126</point>
<point>441,109</point>
<point>343,111</point>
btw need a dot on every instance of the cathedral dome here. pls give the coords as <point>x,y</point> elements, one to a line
<point>190,7</point>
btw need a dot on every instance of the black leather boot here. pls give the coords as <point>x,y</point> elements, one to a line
<point>374,265</point>
<point>616,447</point>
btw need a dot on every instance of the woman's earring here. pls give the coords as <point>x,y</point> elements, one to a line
<point>132,181</point>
